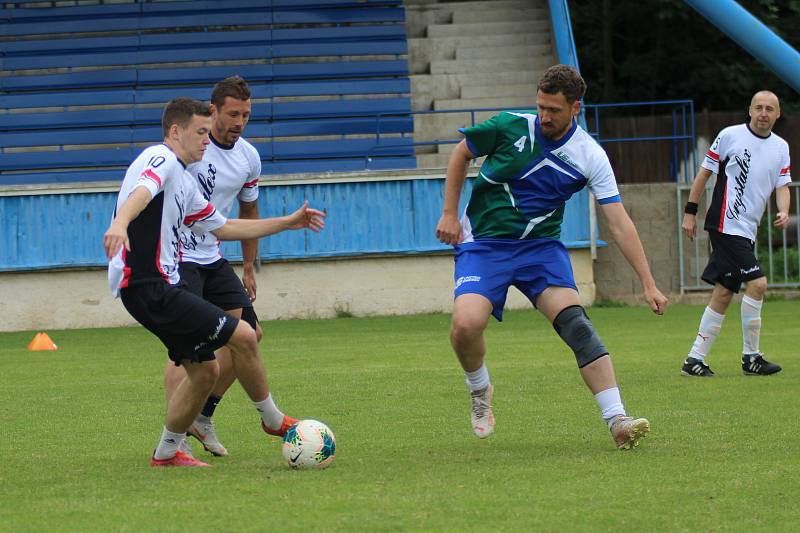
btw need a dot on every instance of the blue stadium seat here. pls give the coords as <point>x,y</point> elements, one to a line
<point>339,148</point>
<point>144,77</point>
<point>361,33</point>
<point>119,53</point>
<point>336,165</point>
<point>68,159</point>
<point>71,176</point>
<point>202,92</point>
<point>338,108</point>
<point>341,126</point>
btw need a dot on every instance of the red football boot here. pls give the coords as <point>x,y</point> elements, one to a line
<point>281,431</point>
<point>180,459</point>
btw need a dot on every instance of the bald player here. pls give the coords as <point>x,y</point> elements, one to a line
<point>750,162</point>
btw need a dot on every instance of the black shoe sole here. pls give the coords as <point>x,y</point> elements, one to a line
<point>691,375</point>
<point>746,373</point>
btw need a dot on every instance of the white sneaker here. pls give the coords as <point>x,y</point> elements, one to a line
<point>204,431</point>
<point>482,415</point>
<point>628,431</point>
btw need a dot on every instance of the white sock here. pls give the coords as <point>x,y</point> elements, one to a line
<point>270,414</point>
<point>479,379</point>
<point>184,447</point>
<point>168,444</point>
<point>610,404</point>
<point>710,325</point>
<point>751,324</point>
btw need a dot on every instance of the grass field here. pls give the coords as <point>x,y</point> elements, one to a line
<point>77,427</point>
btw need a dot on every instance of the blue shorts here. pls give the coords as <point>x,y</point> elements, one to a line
<point>489,267</point>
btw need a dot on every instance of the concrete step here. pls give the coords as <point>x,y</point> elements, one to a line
<point>432,161</point>
<point>499,90</point>
<point>499,15</point>
<point>513,64</point>
<point>498,52</point>
<point>442,126</point>
<point>476,5</point>
<point>453,42</point>
<point>419,17</point>
<point>422,51</point>
<point>512,102</point>
<point>492,5</point>
<point>489,28</point>
<point>451,85</point>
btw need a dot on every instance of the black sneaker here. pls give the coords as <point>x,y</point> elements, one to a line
<point>758,366</point>
<point>696,367</point>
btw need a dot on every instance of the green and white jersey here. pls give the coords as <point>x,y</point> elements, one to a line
<point>526,179</point>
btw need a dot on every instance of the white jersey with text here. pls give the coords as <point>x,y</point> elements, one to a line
<point>225,173</point>
<point>748,167</point>
<point>176,209</point>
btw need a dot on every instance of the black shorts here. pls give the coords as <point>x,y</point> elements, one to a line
<point>732,262</point>
<point>216,283</point>
<point>190,327</point>
<point>249,315</point>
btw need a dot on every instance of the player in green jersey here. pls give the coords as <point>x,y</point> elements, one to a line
<point>535,161</point>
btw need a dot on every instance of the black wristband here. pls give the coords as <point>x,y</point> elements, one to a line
<point>691,208</point>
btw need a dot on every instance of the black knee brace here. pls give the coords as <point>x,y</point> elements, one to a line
<point>577,330</point>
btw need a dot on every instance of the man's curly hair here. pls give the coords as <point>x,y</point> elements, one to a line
<point>562,79</point>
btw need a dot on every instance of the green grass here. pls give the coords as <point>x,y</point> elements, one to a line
<point>77,427</point>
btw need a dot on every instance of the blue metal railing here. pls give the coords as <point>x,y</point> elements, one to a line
<point>683,135</point>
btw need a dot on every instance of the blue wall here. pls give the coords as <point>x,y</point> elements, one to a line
<point>364,217</point>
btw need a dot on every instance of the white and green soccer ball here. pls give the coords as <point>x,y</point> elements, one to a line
<point>309,444</point>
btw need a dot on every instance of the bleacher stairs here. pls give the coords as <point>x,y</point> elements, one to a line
<point>470,55</point>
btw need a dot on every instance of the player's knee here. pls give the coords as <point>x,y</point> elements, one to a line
<point>466,326</point>
<point>206,375</point>
<point>243,341</point>
<point>575,328</point>
<point>757,287</point>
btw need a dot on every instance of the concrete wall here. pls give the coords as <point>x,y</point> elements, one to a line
<point>653,209</point>
<point>297,289</point>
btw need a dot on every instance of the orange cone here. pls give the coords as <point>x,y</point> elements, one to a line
<point>40,342</point>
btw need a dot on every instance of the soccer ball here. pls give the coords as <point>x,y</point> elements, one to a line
<point>309,444</point>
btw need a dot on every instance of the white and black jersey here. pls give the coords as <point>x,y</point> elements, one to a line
<point>226,173</point>
<point>156,234</point>
<point>748,167</point>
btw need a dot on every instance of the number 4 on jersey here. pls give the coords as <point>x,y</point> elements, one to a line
<point>520,144</point>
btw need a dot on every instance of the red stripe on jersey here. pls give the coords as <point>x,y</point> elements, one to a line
<point>785,171</point>
<point>126,270</point>
<point>200,215</point>
<point>722,209</point>
<point>251,184</point>
<point>159,268</point>
<point>152,175</point>
<point>712,155</point>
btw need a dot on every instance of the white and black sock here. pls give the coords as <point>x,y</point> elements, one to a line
<point>168,445</point>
